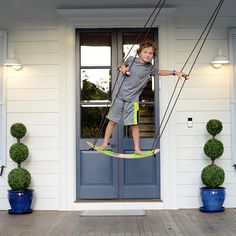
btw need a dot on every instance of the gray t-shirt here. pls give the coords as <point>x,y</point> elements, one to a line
<point>134,84</point>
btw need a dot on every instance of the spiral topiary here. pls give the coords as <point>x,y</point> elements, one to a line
<point>19,178</point>
<point>212,175</point>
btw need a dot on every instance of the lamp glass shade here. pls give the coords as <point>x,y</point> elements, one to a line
<point>12,62</point>
<point>220,60</point>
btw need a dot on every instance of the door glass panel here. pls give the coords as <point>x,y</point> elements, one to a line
<point>95,49</point>
<point>91,117</point>
<point>148,92</point>
<point>146,112</point>
<point>95,56</point>
<point>146,122</point>
<point>95,84</point>
<point>95,80</point>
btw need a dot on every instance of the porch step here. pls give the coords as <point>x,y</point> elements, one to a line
<point>113,213</point>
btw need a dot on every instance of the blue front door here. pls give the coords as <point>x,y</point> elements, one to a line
<point>99,53</point>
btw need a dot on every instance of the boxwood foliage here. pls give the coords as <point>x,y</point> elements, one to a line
<point>213,176</point>
<point>19,179</point>
<point>214,127</point>
<point>19,152</point>
<point>18,130</point>
<point>214,148</point>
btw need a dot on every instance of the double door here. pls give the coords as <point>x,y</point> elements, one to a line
<point>99,54</point>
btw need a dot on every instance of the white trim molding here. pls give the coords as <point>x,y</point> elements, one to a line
<point>232,54</point>
<point>3,159</point>
<point>112,18</point>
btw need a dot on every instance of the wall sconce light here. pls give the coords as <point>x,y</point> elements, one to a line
<point>13,61</point>
<point>219,60</point>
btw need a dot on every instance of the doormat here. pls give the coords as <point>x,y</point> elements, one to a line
<point>113,213</point>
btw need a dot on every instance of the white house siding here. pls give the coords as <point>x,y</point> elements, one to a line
<point>205,96</point>
<point>33,98</point>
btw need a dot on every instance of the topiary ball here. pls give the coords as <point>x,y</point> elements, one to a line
<point>213,148</point>
<point>18,130</point>
<point>19,179</point>
<point>213,176</point>
<point>19,152</point>
<point>214,127</point>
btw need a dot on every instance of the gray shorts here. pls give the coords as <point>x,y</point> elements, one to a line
<point>129,111</point>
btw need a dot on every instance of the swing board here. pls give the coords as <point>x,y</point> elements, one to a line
<point>123,155</point>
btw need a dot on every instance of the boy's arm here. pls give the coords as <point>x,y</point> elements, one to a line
<point>172,72</point>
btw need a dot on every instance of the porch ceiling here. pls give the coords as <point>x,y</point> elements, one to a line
<point>94,3</point>
<point>13,10</point>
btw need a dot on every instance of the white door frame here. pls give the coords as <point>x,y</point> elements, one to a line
<point>3,103</point>
<point>70,19</point>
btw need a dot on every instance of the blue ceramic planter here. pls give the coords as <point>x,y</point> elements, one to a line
<point>20,201</point>
<point>212,199</point>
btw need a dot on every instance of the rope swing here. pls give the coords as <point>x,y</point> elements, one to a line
<point>175,94</point>
<point>148,25</point>
<point>205,32</point>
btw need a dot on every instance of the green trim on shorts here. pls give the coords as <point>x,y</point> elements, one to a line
<point>136,109</point>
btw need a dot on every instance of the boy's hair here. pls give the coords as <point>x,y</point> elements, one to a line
<point>146,44</point>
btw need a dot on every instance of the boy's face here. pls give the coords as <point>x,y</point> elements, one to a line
<point>146,55</point>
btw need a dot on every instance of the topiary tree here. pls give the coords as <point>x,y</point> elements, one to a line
<point>212,175</point>
<point>19,178</point>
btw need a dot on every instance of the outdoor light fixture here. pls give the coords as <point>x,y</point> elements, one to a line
<point>219,60</point>
<point>13,61</point>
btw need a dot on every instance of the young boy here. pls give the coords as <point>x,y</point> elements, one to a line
<point>137,71</point>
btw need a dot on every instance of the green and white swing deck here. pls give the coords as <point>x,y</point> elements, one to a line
<point>124,155</point>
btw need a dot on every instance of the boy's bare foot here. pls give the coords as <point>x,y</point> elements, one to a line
<point>138,151</point>
<point>102,147</point>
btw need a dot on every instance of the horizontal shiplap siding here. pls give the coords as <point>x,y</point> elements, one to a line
<point>205,96</point>
<point>33,99</point>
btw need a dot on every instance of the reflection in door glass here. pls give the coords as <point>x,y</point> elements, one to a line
<point>95,84</point>
<point>91,117</point>
<point>95,56</point>
<point>95,49</point>
<point>148,92</point>
<point>95,80</point>
<point>146,122</point>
